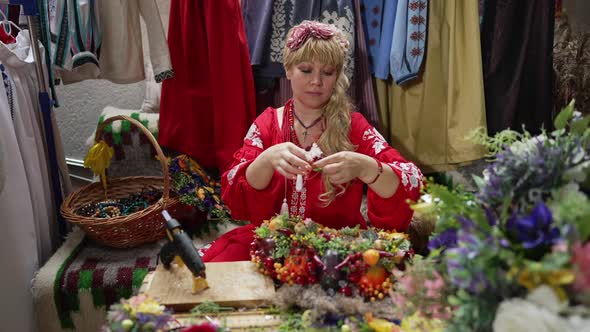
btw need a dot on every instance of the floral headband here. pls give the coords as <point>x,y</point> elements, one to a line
<point>307,29</point>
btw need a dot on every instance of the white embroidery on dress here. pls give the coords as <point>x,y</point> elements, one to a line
<point>379,143</point>
<point>298,201</point>
<point>232,172</point>
<point>411,175</point>
<point>253,136</point>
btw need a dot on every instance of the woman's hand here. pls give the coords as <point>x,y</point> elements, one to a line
<point>288,159</point>
<point>344,166</point>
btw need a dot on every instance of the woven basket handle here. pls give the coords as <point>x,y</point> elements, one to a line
<point>161,157</point>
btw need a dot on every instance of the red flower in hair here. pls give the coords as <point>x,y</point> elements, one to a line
<point>308,29</point>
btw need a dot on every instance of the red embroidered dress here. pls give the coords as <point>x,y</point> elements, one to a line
<point>247,203</point>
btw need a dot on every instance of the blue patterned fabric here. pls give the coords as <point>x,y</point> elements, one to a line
<point>8,87</point>
<point>409,40</point>
<point>379,20</point>
<point>266,34</point>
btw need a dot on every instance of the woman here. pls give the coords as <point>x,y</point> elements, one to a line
<point>263,179</point>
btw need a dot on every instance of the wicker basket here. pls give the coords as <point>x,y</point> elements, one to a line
<point>134,229</point>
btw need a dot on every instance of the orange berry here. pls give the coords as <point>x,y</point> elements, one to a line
<point>371,257</point>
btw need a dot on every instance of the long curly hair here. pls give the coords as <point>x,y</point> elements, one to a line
<point>337,110</point>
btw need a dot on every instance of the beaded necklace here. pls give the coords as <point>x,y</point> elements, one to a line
<point>298,199</point>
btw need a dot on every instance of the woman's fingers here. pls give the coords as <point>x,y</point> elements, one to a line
<point>301,165</point>
<point>331,169</point>
<point>285,173</point>
<point>291,170</point>
<point>299,152</point>
<point>325,161</point>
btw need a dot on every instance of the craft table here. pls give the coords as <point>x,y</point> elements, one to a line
<point>74,288</point>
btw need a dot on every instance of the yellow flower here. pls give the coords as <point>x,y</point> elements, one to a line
<point>418,323</point>
<point>380,325</point>
<point>201,193</point>
<point>150,307</point>
<point>554,279</point>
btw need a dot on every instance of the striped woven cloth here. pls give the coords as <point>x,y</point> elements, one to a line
<point>107,273</point>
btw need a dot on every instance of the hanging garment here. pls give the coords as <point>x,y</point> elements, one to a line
<point>517,44</point>
<point>285,15</point>
<point>19,250</point>
<point>362,87</point>
<point>206,108</point>
<point>121,54</point>
<point>379,18</point>
<point>430,119</point>
<point>408,45</point>
<point>22,96</point>
<point>102,39</point>
<point>76,38</point>
<point>257,15</point>
<point>247,203</point>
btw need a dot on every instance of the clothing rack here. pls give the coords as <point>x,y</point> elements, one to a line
<point>31,10</point>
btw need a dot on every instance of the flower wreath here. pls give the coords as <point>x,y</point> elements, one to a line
<point>352,261</point>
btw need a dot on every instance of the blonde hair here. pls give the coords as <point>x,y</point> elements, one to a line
<point>336,112</point>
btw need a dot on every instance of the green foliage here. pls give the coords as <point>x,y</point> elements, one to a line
<point>496,143</point>
<point>263,231</point>
<point>452,203</point>
<point>292,322</point>
<point>474,313</point>
<point>283,247</point>
<point>571,207</point>
<point>562,119</point>
<point>209,307</point>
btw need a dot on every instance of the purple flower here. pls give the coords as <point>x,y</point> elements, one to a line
<point>446,239</point>
<point>208,202</point>
<point>174,167</point>
<point>490,215</point>
<point>478,283</point>
<point>535,229</point>
<point>466,224</point>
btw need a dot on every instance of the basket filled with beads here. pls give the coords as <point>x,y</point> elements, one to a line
<point>121,212</point>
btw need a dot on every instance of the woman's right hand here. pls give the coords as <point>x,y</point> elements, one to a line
<point>288,159</point>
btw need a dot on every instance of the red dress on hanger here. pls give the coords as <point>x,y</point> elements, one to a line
<point>5,37</point>
<point>247,203</point>
<point>207,106</point>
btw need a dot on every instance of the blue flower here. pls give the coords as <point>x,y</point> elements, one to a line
<point>535,229</point>
<point>447,239</point>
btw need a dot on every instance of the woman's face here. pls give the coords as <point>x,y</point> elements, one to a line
<point>312,83</point>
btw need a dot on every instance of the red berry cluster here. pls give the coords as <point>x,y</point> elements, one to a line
<point>299,267</point>
<point>261,254</point>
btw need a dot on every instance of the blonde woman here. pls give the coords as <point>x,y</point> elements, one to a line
<point>312,157</point>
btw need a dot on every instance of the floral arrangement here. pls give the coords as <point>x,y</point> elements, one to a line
<point>515,255</point>
<point>351,261</point>
<point>139,313</point>
<point>196,188</point>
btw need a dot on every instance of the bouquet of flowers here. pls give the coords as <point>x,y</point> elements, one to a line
<point>139,313</point>
<point>196,188</point>
<point>352,261</point>
<point>516,252</point>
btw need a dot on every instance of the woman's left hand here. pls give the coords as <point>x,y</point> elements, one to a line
<point>344,166</point>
